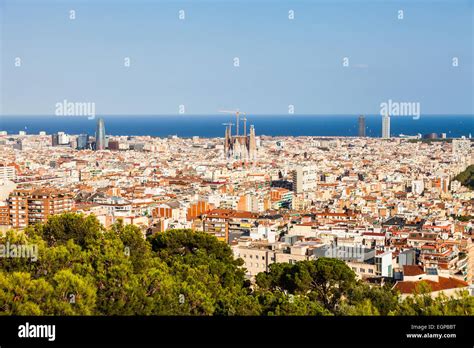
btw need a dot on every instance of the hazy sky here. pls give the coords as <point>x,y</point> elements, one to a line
<point>191,62</point>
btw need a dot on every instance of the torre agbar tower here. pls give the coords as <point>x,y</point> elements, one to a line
<point>100,135</point>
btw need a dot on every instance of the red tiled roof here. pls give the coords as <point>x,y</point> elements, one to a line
<point>374,234</point>
<point>442,284</point>
<point>410,270</point>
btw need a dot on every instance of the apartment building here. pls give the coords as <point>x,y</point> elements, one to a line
<point>28,207</point>
<point>228,224</point>
<point>258,256</point>
<point>304,178</point>
<point>4,214</point>
<point>7,172</point>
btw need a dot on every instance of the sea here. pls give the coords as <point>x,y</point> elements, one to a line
<point>454,126</point>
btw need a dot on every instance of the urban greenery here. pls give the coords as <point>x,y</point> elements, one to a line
<point>85,269</point>
<point>466,178</point>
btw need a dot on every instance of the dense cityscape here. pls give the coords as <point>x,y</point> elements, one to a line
<point>396,210</point>
<point>243,173</point>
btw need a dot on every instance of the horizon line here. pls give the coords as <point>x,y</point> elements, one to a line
<point>226,115</point>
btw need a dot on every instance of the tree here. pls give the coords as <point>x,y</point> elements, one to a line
<point>60,228</point>
<point>72,294</point>
<point>21,295</point>
<point>196,249</point>
<point>135,245</point>
<point>281,303</point>
<point>424,303</point>
<point>382,298</point>
<point>326,280</point>
<point>365,307</point>
<point>84,269</point>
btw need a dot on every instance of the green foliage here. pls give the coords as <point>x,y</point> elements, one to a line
<point>365,307</point>
<point>61,228</point>
<point>21,295</point>
<point>463,218</point>
<point>280,303</point>
<point>326,280</point>
<point>466,177</point>
<point>422,303</point>
<point>199,250</point>
<point>84,269</point>
<point>383,299</point>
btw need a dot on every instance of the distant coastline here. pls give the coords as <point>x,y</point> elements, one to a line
<point>186,125</point>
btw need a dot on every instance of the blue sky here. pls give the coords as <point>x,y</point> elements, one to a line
<point>282,61</point>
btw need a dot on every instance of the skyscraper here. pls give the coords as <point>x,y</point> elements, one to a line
<point>361,126</point>
<point>54,139</point>
<point>386,127</point>
<point>100,135</point>
<point>82,140</point>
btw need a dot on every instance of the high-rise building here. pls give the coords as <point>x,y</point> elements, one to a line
<point>304,178</point>
<point>60,138</point>
<point>430,136</point>
<point>82,141</point>
<point>63,138</point>
<point>54,139</point>
<point>361,126</point>
<point>100,135</point>
<point>386,127</point>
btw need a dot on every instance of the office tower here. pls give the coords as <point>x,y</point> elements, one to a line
<point>100,135</point>
<point>430,136</point>
<point>82,140</point>
<point>361,126</point>
<point>54,139</point>
<point>63,138</point>
<point>386,127</point>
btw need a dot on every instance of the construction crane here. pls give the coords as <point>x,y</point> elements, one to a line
<point>236,112</point>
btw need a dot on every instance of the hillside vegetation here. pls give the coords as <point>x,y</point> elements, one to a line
<point>84,269</point>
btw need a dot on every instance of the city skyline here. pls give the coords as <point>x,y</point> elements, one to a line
<point>213,126</point>
<point>231,160</point>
